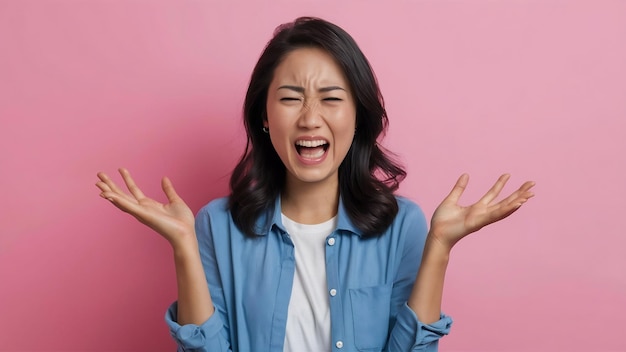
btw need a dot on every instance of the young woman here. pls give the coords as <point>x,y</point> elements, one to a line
<point>312,251</point>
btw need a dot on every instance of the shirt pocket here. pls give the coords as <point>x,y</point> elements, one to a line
<point>370,316</point>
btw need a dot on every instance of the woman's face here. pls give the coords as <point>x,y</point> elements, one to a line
<point>311,115</point>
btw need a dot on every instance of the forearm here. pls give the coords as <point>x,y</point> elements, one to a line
<point>194,300</point>
<point>427,292</point>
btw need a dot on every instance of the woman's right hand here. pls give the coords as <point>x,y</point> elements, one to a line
<point>173,220</point>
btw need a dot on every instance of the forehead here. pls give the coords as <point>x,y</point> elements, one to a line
<point>309,66</point>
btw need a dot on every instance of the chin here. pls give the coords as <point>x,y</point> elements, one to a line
<point>316,176</point>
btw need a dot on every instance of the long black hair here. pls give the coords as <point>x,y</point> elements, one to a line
<point>367,176</point>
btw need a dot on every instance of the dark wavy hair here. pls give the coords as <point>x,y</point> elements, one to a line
<point>367,176</point>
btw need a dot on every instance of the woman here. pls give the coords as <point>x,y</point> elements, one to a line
<point>311,251</point>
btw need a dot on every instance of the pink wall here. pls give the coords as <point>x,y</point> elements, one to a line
<point>535,88</point>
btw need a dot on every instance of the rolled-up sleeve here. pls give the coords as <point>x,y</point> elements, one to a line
<point>410,334</point>
<point>197,338</point>
<point>407,332</point>
<point>213,334</point>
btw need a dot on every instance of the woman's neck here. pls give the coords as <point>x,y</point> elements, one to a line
<point>310,202</point>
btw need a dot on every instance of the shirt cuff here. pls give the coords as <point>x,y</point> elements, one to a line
<point>192,335</point>
<point>421,334</point>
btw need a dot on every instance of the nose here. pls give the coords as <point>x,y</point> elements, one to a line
<point>310,116</point>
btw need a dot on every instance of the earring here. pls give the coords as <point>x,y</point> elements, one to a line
<point>266,129</point>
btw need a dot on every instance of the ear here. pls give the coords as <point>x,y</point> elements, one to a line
<point>264,117</point>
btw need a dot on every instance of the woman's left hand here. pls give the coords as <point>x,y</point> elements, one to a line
<point>451,222</point>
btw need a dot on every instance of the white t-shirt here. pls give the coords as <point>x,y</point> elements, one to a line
<point>308,317</point>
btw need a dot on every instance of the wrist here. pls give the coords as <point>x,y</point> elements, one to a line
<point>185,247</point>
<point>436,250</point>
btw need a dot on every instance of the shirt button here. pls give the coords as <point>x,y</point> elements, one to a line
<point>339,344</point>
<point>331,241</point>
<point>333,293</point>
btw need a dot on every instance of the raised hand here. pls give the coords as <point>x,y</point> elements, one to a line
<point>451,222</point>
<point>173,220</point>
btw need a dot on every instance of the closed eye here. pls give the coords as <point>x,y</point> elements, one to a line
<point>333,99</point>
<point>289,99</point>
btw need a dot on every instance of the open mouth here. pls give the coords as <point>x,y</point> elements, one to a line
<point>311,150</point>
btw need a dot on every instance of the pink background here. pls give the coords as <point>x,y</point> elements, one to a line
<point>534,88</point>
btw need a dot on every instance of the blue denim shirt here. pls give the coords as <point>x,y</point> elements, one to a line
<point>250,279</point>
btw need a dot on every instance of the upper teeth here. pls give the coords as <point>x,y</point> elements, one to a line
<point>311,144</point>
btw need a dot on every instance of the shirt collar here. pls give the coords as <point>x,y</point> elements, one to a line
<point>270,219</point>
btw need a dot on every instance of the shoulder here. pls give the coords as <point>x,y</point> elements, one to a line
<point>408,208</point>
<point>216,207</point>
<point>214,224</point>
<point>214,215</point>
<point>410,220</point>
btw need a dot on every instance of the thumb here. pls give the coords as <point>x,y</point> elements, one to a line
<point>458,189</point>
<point>169,190</point>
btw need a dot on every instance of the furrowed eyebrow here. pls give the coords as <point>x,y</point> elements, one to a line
<point>294,88</point>
<point>328,89</point>
<point>301,89</point>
